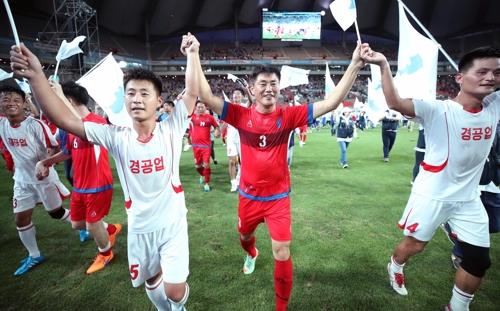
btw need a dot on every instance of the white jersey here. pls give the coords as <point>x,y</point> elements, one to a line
<point>148,171</point>
<point>28,144</point>
<point>457,143</point>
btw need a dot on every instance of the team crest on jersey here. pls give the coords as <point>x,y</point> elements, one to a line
<point>278,123</point>
<point>249,123</point>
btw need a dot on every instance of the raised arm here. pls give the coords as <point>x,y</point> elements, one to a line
<point>190,47</point>
<point>394,101</point>
<point>340,91</point>
<point>25,64</point>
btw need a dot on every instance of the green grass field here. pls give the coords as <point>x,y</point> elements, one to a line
<point>344,231</point>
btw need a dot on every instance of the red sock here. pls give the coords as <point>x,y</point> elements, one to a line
<point>206,173</point>
<point>200,170</point>
<point>249,246</point>
<point>111,229</point>
<point>283,279</point>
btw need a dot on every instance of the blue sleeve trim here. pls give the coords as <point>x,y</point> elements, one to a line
<point>264,199</point>
<point>93,190</point>
<point>310,118</point>
<point>224,111</point>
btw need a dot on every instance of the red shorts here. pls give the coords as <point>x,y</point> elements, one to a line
<point>201,155</point>
<point>90,207</point>
<point>276,214</point>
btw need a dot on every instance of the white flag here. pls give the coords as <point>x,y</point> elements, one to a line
<point>329,84</point>
<point>226,99</point>
<point>417,62</point>
<point>104,83</point>
<point>69,49</point>
<point>376,98</point>
<point>232,77</point>
<point>24,86</point>
<point>4,75</point>
<point>293,76</point>
<point>344,12</point>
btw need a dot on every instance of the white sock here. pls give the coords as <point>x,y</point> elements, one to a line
<point>27,234</point>
<point>156,293</point>
<point>460,300</point>
<point>396,267</point>
<point>66,217</point>
<point>107,248</point>
<point>105,224</point>
<point>179,305</point>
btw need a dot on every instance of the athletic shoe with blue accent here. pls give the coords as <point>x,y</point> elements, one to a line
<point>28,263</point>
<point>84,235</point>
<point>206,188</point>
<point>249,264</point>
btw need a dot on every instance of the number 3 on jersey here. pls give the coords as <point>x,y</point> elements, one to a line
<point>262,141</point>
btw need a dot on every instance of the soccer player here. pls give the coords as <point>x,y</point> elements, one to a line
<point>265,130</point>
<point>233,145</point>
<point>147,160</point>
<point>92,179</point>
<point>458,134</point>
<point>201,124</point>
<point>27,140</point>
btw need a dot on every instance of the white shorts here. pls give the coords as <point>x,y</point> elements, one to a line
<point>467,219</point>
<point>164,250</point>
<point>233,147</point>
<point>26,196</point>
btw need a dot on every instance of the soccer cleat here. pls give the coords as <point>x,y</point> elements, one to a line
<point>397,281</point>
<point>386,159</point>
<point>84,235</point>
<point>206,188</point>
<point>112,237</point>
<point>29,263</point>
<point>216,162</point>
<point>100,261</point>
<point>249,264</point>
<point>345,165</point>
<point>234,187</point>
<point>186,147</point>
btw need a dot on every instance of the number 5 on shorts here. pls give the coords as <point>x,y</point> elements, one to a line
<point>134,271</point>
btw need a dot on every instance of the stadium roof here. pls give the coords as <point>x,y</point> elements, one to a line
<point>169,18</point>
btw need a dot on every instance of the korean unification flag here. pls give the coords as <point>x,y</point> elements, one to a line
<point>104,83</point>
<point>329,84</point>
<point>344,12</point>
<point>69,49</point>
<point>4,75</point>
<point>291,76</point>
<point>376,99</point>
<point>417,62</point>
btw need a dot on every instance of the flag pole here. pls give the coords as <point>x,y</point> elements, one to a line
<point>448,57</point>
<point>12,24</point>
<point>357,29</point>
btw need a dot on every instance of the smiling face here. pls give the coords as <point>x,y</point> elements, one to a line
<point>142,100</point>
<point>266,90</point>
<point>200,108</point>
<point>12,104</point>
<point>482,78</point>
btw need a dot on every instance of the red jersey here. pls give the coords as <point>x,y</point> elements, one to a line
<point>200,130</point>
<point>91,170</point>
<point>264,145</point>
<point>52,126</point>
<point>9,162</point>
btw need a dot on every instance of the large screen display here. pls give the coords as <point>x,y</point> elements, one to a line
<point>291,26</point>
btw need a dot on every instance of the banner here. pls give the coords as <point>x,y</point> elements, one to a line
<point>291,76</point>
<point>344,12</point>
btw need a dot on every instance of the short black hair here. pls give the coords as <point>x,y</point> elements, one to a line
<point>170,103</point>
<point>75,91</point>
<point>483,52</point>
<point>142,74</point>
<point>239,89</point>
<point>12,89</point>
<point>265,70</point>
